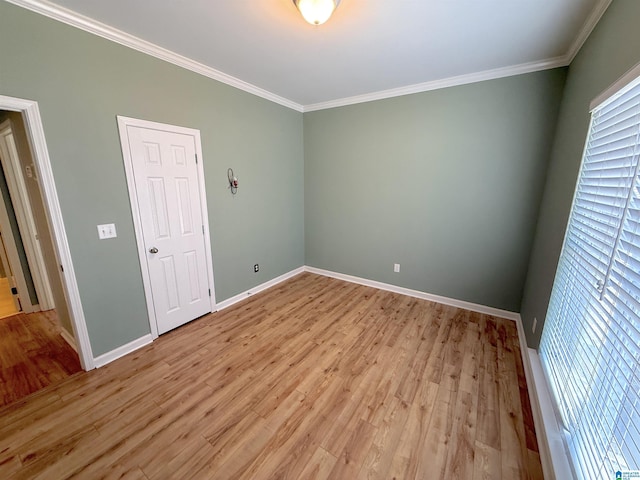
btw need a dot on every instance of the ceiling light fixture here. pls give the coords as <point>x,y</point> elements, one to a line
<point>316,12</point>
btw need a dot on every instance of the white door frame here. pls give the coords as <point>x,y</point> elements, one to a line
<point>35,132</point>
<point>24,215</point>
<point>123,123</point>
<point>14,260</point>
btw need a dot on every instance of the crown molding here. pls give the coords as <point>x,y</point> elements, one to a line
<point>443,83</point>
<point>587,28</point>
<point>90,25</point>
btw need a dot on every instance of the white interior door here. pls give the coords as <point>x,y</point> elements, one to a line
<point>169,204</point>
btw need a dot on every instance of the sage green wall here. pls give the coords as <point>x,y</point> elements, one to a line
<point>446,183</point>
<point>81,82</point>
<point>612,49</point>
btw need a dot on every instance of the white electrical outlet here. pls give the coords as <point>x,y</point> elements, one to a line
<point>535,324</point>
<point>396,267</point>
<point>107,231</point>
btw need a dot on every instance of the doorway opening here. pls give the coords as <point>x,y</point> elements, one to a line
<point>37,341</point>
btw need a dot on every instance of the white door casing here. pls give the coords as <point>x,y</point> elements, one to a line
<point>168,202</point>
<point>37,141</point>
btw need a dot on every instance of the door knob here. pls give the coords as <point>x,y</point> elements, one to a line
<point>153,250</point>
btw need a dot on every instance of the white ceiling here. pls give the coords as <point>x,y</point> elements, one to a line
<point>369,48</point>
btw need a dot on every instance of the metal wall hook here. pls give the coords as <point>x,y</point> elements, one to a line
<point>233,181</point>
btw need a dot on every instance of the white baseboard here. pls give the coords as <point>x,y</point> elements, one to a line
<point>474,307</point>
<point>70,339</point>
<point>259,288</point>
<point>109,357</point>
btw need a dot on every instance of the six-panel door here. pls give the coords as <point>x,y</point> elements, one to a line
<point>167,187</point>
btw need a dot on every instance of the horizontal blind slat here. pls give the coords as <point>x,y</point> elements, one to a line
<point>590,346</point>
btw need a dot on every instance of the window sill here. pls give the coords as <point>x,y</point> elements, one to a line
<point>553,454</point>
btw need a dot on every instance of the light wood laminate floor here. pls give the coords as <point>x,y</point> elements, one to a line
<point>312,379</point>
<point>33,355</point>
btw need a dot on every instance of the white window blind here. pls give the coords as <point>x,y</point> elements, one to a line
<point>590,347</point>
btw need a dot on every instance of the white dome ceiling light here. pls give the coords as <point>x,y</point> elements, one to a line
<point>316,12</point>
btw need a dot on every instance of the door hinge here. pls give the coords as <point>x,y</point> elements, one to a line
<point>14,291</point>
<point>209,292</point>
<point>196,158</point>
<point>203,229</point>
<point>61,268</point>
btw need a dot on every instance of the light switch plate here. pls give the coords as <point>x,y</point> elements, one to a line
<point>107,231</point>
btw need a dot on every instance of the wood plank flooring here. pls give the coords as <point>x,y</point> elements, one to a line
<point>7,305</point>
<point>312,379</point>
<point>33,355</point>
